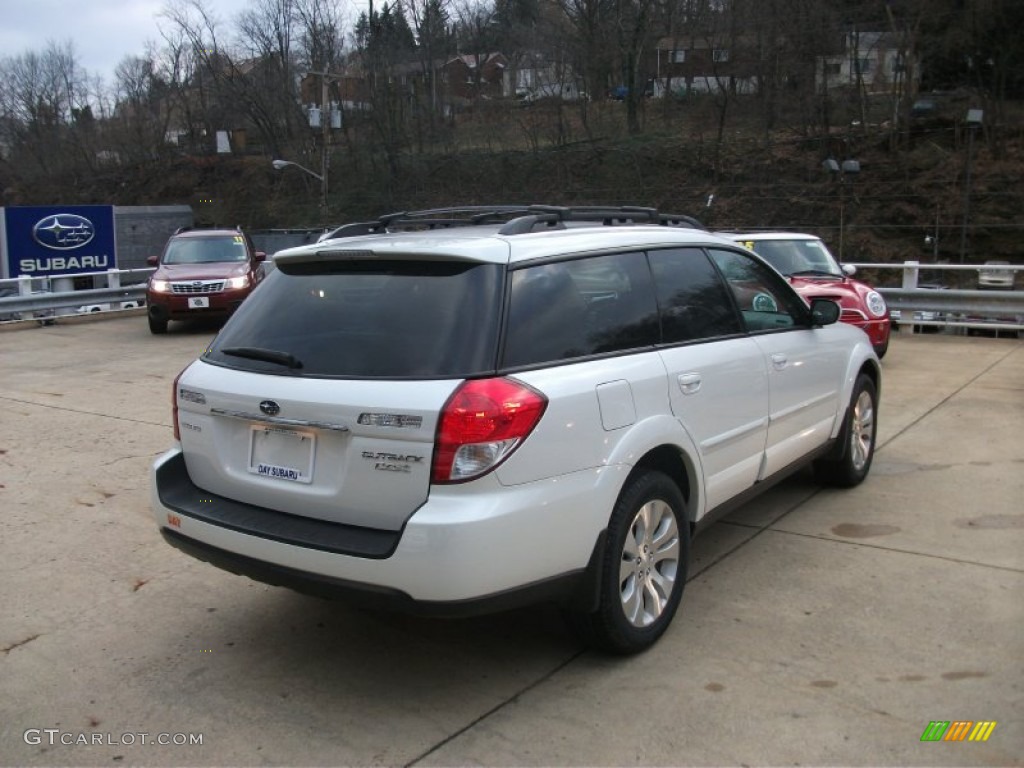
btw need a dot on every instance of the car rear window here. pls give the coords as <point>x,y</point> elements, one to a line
<point>368,319</point>
<point>572,309</point>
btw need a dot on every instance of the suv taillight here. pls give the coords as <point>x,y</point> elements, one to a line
<point>174,404</point>
<point>482,423</point>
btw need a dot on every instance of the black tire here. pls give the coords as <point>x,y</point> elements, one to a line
<point>632,555</point>
<point>157,326</point>
<point>856,439</point>
<point>881,349</point>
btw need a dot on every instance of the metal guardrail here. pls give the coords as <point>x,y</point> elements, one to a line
<point>988,309</point>
<point>42,301</point>
<point>35,296</point>
<point>997,303</point>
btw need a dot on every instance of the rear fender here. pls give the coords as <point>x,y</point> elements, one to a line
<point>863,360</point>
<point>657,432</point>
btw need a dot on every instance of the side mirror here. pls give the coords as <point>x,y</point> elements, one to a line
<point>153,261</point>
<point>261,256</point>
<point>824,312</point>
<point>849,270</point>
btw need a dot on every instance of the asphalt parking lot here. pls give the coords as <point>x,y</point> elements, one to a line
<point>818,627</point>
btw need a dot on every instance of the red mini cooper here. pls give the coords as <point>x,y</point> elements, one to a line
<point>815,273</point>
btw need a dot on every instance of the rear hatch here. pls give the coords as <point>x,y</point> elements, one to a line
<point>322,398</point>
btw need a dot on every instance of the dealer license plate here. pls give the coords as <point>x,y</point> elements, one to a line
<point>282,454</point>
<point>198,302</point>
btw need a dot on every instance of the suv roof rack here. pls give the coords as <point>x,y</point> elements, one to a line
<point>190,228</point>
<point>515,219</point>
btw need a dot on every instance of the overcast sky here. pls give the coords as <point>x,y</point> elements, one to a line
<point>102,31</point>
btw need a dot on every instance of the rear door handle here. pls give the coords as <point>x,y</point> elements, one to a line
<point>689,383</point>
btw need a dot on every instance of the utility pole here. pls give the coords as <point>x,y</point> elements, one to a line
<point>974,118</point>
<point>325,117</point>
<point>325,130</point>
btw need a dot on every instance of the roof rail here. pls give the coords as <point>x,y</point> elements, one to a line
<point>515,219</point>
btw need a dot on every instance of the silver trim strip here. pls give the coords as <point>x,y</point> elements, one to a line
<point>733,434</point>
<point>278,421</point>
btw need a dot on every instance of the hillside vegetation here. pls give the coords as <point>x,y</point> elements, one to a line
<point>901,195</point>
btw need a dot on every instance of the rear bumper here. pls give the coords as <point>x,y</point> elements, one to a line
<point>461,553</point>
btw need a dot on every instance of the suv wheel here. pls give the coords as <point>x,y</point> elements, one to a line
<point>157,326</point>
<point>858,438</point>
<point>643,569</point>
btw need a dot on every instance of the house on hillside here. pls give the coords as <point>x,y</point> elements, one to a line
<point>534,76</point>
<point>869,58</point>
<point>464,78</point>
<point>687,64</point>
<point>472,76</point>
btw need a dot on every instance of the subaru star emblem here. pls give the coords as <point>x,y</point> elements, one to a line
<point>63,231</point>
<point>270,408</point>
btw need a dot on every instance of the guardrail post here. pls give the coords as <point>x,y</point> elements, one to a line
<point>63,285</point>
<point>910,274</point>
<point>113,278</point>
<point>24,285</point>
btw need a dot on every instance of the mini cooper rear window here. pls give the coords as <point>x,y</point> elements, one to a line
<point>367,319</point>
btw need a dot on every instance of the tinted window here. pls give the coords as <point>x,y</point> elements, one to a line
<point>370,319</point>
<point>577,308</point>
<point>765,299</point>
<point>693,300</point>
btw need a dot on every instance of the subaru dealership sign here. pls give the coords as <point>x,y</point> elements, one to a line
<point>46,241</point>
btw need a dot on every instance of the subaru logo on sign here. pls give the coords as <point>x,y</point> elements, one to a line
<point>270,408</point>
<point>63,231</point>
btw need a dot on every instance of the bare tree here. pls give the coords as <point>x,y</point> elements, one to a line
<point>45,109</point>
<point>139,124</point>
<point>241,84</point>
<point>430,24</point>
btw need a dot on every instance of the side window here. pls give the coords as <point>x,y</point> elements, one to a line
<point>582,307</point>
<point>763,297</point>
<point>693,300</point>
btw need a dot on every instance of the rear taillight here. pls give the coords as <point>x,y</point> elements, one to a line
<point>174,405</point>
<point>482,423</point>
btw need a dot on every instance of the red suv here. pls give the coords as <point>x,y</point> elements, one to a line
<point>202,273</point>
<point>814,272</point>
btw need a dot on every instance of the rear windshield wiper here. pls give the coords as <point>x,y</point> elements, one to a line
<point>266,355</point>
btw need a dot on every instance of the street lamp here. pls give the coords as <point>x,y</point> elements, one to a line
<point>974,117</point>
<point>282,164</point>
<point>847,167</point>
<point>933,239</point>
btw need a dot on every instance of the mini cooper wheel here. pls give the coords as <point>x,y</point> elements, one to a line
<point>643,569</point>
<point>858,438</point>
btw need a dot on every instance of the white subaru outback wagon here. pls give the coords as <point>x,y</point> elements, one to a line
<point>463,410</point>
